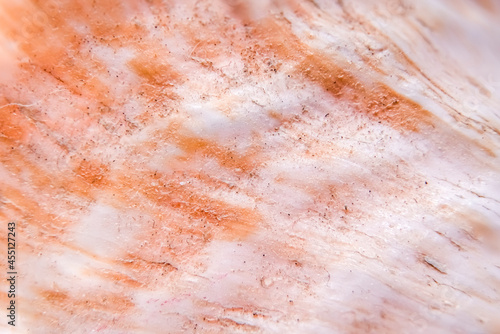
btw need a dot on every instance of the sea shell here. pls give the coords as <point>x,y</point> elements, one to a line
<point>285,166</point>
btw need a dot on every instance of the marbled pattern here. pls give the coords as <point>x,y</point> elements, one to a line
<point>261,166</point>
